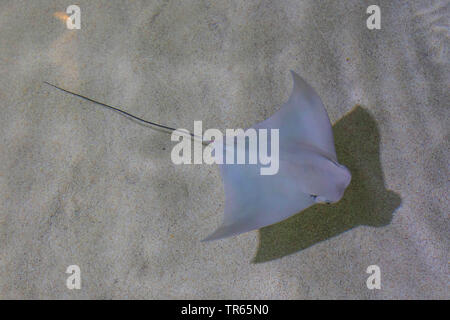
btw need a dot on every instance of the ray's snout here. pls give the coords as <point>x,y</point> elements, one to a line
<point>343,178</point>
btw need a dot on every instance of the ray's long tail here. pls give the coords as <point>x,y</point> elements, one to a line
<point>152,125</point>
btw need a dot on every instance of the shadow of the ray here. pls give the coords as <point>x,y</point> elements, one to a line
<point>366,200</point>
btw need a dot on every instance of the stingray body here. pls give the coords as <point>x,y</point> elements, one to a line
<point>308,169</point>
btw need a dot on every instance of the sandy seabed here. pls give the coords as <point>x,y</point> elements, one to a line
<point>82,185</point>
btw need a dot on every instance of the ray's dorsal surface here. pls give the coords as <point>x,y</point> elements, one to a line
<point>308,169</point>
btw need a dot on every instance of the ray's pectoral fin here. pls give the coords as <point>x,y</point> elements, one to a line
<point>308,169</point>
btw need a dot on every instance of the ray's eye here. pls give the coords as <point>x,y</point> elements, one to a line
<point>319,199</point>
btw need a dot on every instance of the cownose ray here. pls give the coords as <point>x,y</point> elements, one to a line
<point>308,169</point>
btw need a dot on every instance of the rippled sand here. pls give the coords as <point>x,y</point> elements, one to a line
<point>81,185</point>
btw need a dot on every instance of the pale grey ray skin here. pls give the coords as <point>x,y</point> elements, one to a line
<point>308,169</point>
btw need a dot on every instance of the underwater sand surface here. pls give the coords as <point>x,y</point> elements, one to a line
<point>82,185</point>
